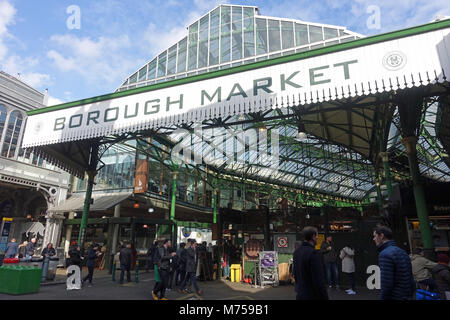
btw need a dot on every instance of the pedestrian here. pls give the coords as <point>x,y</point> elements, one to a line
<point>309,276</point>
<point>329,259</point>
<point>191,266</point>
<point>29,249</point>
<point>155,259</point>
<point>421,269</point>
<point>441,273</point>
<point>172,268</point>
<point>90,263</point>
<point>397,281</point>
<point>126,258</point>
<point>150,254</point>
<point>347,256</point>
<point>12,249</point>
<point>181,268</point>
<point>22,249</point>
<point>163,270</point>
<point>75,256</point>
<point>48,251</point>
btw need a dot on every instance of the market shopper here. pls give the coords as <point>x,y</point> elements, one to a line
<point>126,258</point>
<point>441,273</point>
<point>75,256</point>
<point>150,256</point>
<point>397,281</point>
<point>330,260</point>
<point>29,249</point>
<point>12,249</point>
<point>90,263</point>
<point>308,269</point>
<point>191,266</point>
<point>181,267</point>
<point>347,256</point>
<point>172,269</point>
<point>163,269</point>
<point>48,251</point>
<point>421,269</point>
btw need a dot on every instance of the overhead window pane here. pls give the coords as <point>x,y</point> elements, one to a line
<point>261,36</point>
<point>214,37</point>
<point>315,34</point>
<point>301,34</point>
<point>287,34</point>
<point>225,35</point>
<point>2,119</point>
<point>143,74</point>
<point>274,35</point>
<point>133,78</point>
<point>162,59</point>
<point>330,33</point>
<point>203,42</point>
<point>182,55</point>
<point>249,12</point>
<point>172,62</point>
<point>12,134</point>
<point>193,40</point>
<point>237,33</point>
<point>249,38</point>
<point>152,69</point>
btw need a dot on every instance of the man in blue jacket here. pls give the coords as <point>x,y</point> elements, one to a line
<point>397,281</point>
<point>12,249</point>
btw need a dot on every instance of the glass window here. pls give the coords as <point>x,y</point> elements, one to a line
<point>133,78</point>
<point>315,34</point>
<point>12,134</point>
<point>225,36</point>
<point>249,38</point>
<point>152,69</point>
<point>330,33</point>
<point>214,38</point>
<point>182,55</point>
<point>287,34</point>
<point>238,198</point>
<point>172,62</point>
<point>203,42</point>
<point>329,43</point>
<point>301,34</point>
<point>193,41</point>
<point>261,36</point>
<point>249,12</point>
<point>162,58</point>
<point>274,35</point>
<point>237,33</point>
<point>3,113</point>
<point>143,74</point>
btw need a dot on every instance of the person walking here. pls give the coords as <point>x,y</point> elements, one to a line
<point>347,255</point>
<point>329,259</point>
<point>163,270</point>
<point>90,263</point>
<point>125,258</point>
<point>75,256</point>
<point>150,256</point>
<point>441,273</point>
<point>181,268</point>
<point>308,269</point>
<point>191,266</point>
<point>421,269</point>
<point>173,265</point>
<point>29,249</point>
<point>12,249</point>
<point>397,281</point>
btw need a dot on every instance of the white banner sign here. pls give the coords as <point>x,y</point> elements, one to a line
<point>395,64</point>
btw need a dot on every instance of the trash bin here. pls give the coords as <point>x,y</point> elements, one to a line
<point>235,270</point>
<point>52,266</point>
<point>36,262</point>
<point>15,279</point>
<point>11,261</point>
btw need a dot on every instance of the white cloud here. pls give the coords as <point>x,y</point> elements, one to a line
<point>52,101</point>
<point>15,65</point>
<point>7,13</point>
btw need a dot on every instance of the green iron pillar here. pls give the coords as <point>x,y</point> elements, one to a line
<point>173,204</point>
<point>379,195</point>
<point>214,204</point>
<point>387,172</point>
<point>91,172</point>
<point>419,195</point>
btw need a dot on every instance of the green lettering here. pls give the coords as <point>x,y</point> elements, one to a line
<point>240,93</point>
<point>93,116</point>
<point>313,76</point>
<point>288,81</point>
<point>59,124</point>
<point>127,116</point>
<point>345,65</point>
<point>174,102</point>
<point>114,118</point>
<point>264,87</point>
<point>155,106</point>
<point>218,92</point>
<point>79,122</point>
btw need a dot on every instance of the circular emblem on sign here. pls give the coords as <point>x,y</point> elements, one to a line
<point>282,242</point>
<point>186,233</point>
<point>394,60</point>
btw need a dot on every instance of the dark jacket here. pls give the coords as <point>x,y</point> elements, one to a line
<point>91,257</point>
<point>328,256</point>
<point>441,274</point>
<point>191,260</point>
<point>164,260</point>
<point>126,256</point>
<point>12,249</point>
<point>75,257</point>
<point>397,281</point>
<point>29,249</point>
<point>49,252</point>
<point>308,273</point>
<point>181,253</point>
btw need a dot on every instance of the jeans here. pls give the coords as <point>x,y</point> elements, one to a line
<point>124,268</point>
<point>191,276</point>
<point>332,273</point>
<point>351,279</point>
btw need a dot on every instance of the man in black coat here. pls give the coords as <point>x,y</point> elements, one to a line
<point>165,258</point>
<point>191,267</point>
<point>90,263</point>
<point>308,269</point>
<point>126,258</point>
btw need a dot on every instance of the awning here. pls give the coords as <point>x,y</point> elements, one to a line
<point>102,201</point>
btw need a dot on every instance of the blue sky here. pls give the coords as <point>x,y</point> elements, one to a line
<point>116,37</point>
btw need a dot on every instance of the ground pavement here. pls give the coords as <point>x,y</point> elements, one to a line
<point>105,289</point>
